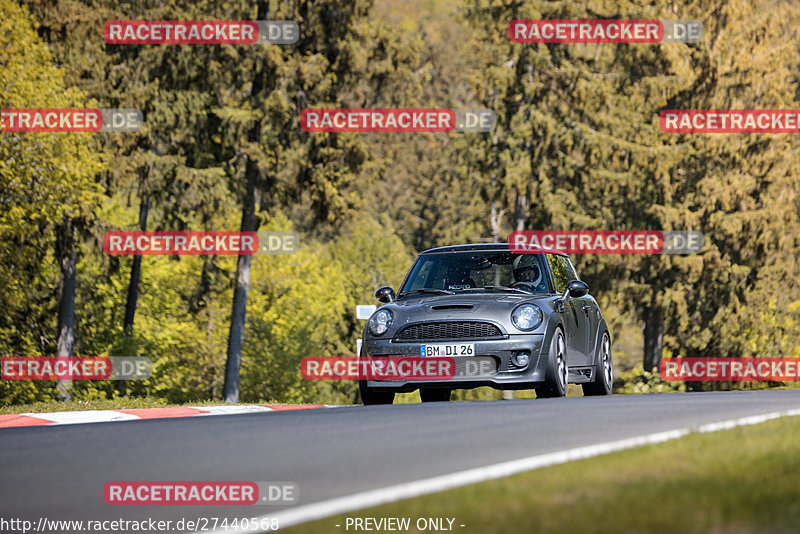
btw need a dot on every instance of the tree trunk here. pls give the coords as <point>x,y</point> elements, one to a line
<point>236,334</point>
<point>653,334</point>
<point>520,212</point>
<point>494,222</point>
<point>67,257</point>
<point>233,363</point>
<point>133,284</point>
<point>136,272</point>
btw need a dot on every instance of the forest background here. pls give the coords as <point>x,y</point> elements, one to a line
<point>577,146</point>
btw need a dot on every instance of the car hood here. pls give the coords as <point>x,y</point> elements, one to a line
<point>494,307</point>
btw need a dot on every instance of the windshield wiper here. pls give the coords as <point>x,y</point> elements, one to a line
<point>500,288</point>
<point>427,290</point>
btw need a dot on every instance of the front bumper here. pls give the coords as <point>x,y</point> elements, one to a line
<point>507,376</point>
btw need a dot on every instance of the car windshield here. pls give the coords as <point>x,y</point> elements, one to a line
<point>477,272</point>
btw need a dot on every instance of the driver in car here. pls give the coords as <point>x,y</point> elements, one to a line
<point>526,270</point>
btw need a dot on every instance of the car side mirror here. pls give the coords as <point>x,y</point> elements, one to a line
<point>385,294</point>
<point>577,289</point>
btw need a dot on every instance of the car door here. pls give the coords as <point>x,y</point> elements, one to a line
<point>587,311</point>
<point>574,319</point>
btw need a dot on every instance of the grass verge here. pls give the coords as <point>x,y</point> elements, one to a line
<point>743,480</point>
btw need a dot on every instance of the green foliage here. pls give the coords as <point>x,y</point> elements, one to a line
<point>637,380</point>
<point>44,178</point>
<point>304,305</point>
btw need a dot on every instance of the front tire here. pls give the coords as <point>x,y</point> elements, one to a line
<point>604,375</point>
<point>371,396</point>
<point>557,372</point>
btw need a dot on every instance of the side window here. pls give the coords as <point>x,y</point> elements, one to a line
<point>569,268</point>
<point>559,272</point>
<point>422,275</point>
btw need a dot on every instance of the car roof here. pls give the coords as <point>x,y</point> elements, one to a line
<point>487,247</point>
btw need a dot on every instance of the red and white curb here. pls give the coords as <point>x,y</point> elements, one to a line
<point>104,416</point>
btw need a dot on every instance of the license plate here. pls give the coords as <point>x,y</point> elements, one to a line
<point>447,349</point>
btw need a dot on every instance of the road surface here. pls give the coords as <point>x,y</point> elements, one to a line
<point>59,472</point>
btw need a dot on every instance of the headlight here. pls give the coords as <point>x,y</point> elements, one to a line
<point>380,322</point>
<point>526,317</point>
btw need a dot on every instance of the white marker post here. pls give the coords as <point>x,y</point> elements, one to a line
<point>363,312</point>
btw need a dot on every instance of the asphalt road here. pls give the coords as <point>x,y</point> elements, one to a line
<point>59,472</point>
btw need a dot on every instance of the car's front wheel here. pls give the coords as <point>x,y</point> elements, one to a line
<point>557,372</point>
<point>434,394</point>
<point>371,396</point>
<point>604,373</point>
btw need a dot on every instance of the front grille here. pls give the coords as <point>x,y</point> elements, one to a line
<point>448,330</point>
